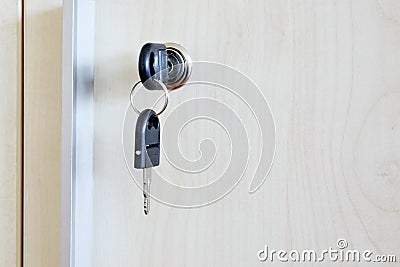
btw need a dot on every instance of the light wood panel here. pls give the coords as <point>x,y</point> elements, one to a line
<point>10,125</point>
<point>42,136</point>
<point>330,71</point>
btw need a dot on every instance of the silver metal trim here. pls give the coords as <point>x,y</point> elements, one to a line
<point>77,133</point>
<point>67,139</point>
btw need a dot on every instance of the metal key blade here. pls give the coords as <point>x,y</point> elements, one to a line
<point>146,190</point>
<point>147,150</point>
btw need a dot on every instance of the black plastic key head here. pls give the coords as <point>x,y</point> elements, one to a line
<point>153,64</point>
<point>147,140</point>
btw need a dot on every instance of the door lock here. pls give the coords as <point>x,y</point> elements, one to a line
<point>168,63</point>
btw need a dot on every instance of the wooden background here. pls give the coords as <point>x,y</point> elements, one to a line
<point>10,133</point>
<point>42,132</point>
<point>330,71</point>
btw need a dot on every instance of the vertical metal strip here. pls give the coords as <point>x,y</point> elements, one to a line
<point>77,132</point>
<point>84,136</point>
<point>67,149</point>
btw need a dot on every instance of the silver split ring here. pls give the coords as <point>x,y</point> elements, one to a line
<point>165,89</point>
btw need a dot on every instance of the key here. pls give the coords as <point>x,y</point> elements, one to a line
<point>147,149</point>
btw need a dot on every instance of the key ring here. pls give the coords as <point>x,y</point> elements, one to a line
<point>165,96</point>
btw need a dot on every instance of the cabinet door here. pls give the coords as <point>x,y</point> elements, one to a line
<point>42,135</point>
<point>10,134</point>
<point>329,71</point>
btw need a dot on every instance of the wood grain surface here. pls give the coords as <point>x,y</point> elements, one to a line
<point>10,134</point>
<point>42,132</point>
<point>330,72</point>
